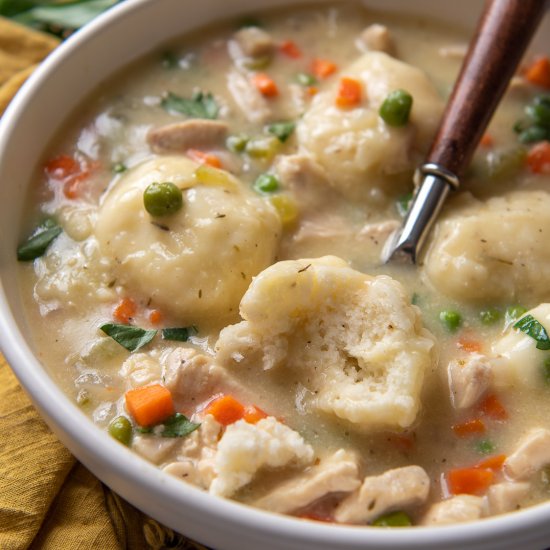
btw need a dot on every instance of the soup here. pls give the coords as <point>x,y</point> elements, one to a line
<point>203,277</point>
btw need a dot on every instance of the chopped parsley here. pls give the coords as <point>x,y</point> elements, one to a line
<point>131,338</point>
<point>530,326</point>
<point>200,105</point>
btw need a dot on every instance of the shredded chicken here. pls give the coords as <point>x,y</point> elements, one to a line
<point>505,497</point>
<point>454,510</point>
<point>397,489</point>
<point>249,100</point>
<point>254,42</point>
<point>376,38</point>
<point>336,474</point>
<point>469,379</point>
<point>531,455</point>
<point>180,136</point>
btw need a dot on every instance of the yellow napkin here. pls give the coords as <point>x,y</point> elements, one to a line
<point>48,500</point>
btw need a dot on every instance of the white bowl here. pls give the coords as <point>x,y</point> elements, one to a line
<point>55,90</point>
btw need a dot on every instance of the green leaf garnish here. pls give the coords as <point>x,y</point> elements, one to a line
<point>38,242</point>
<point>282,130</point>
<point>178,425</point>
<point>200,105</point>
<point>178,334</point>
<point>530,326</point>
<point>403,204</point>
<point>131,338</point>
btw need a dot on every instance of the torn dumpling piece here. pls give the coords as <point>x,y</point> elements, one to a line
<point>195,263</point>
<point>354,341</point>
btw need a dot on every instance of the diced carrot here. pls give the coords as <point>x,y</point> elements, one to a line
<point>350,92</point>
<point>493,408</point>
<point>125,310</point>
<point>492,463</point>
<point>155,317</point>
<point>538,158</point>
<point>253,414</point>
<point>538,72</point>
<point>291,49</point>
<point>471,427</point>
<point>150,405</point>
<point>487,140</point>
<point>204,158</point>
<point>312,90</point>
<point>265,84</point>
<point>470,481</point>
<point>68,171</point>
<point>323,68</point>
<point>226,409</point>
<point>469,345</point>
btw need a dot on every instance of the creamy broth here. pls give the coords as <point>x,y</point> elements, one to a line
<point>327,208</point>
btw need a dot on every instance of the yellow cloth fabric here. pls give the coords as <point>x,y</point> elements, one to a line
<point>47,499</point>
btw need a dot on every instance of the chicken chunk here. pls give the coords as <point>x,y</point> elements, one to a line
<point>246,448</point>
<point>469,379</point>
<point>376,38</point>
<point>456,509</point>
<point>354,341</point>
<point>397,489</point>
<point>505,497</point>
<point>153,448</point>
<point>339,473</point>
<point>248,99</point>
<point>532,454</point>
<point>181,136</point>
<point>254,42</point>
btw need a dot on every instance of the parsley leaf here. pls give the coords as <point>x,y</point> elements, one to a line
<point>131,338</point>
<point>178,425</point>
<point>281,130</point>
<point>38,242</point>
<point>178,334</point>
<point>530,326</point>
<point>403,204</point>
<point>200,105</point>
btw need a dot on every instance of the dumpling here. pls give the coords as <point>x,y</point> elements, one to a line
<point>354,341</point>
<point>519,362</point>
<point>356,147</point>
<point>495,251</point>
<point>197,263</point>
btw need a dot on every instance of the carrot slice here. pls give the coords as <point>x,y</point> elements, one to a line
<point>471,427</point>
<point>125,310</point>
<point>469,481</point>
<point>538,72</point>
<point>204,158</point>
<point>291,49</point>
<point>493,408</point>
<point>150,405</point>
<point>350,92</point>
<point>226,409</point>
<point>538,158</point>
<point>323,68</point>
<point>472,346</point>
<point>253,414</point>
<point>68,171</point>
<point>265,85</point>
<point>155,317</point>
<point>312,90</point>
<point>492,463</point>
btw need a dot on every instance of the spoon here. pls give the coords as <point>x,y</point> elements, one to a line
<point>502,36</point>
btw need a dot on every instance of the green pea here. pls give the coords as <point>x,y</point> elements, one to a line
<point>513,313</point>
<point>121,429</point>
<point>396,108</point>
<point>485,447</point>
<point>490,316</point>
<point>162,199</point>
<point>266,183</point>
<point>305,79</point>
<point>119,167</point>
<point>451,319</point>
<point>394,519</point>
<point>237,144</point>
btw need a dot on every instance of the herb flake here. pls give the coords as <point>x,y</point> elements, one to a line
<point>200,105</point>
<point>36,245</point>
<point>181,334</point>
<point>281,130</point>
<point>530,326</point>
<point>129,337</point>
<point>178,425</point>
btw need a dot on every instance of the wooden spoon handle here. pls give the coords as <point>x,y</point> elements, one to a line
<point>502,36</point>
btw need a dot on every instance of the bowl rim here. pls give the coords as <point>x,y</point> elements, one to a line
<point>128,469</point>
